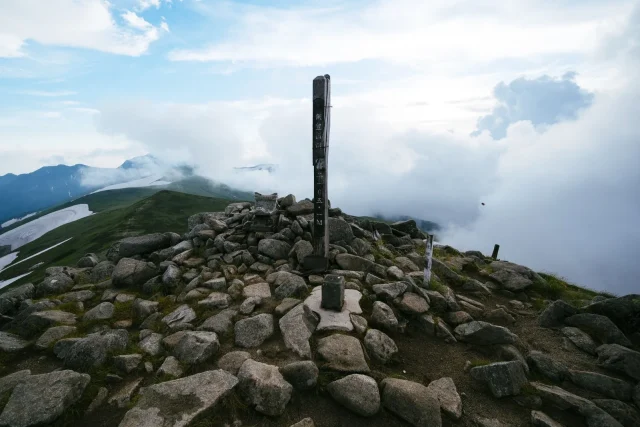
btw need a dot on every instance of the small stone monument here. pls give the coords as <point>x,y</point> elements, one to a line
<point>264,210</point>
<point>333,292</point>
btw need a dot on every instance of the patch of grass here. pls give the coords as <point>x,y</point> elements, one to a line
<point>435,285</point>
<point>538,304</point>
<point>70,307</point>
<point>166,305</point>
<point>557,287</point>
<point>122,311</point>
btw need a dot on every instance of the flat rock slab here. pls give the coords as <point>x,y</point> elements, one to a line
<point>412,402</point>
<point>176,403</point>
<point>261,290</point>
<point>503,378</point>
<point>483,333</point>
<point>264,387</point>
<point>10,343</point>
<point>620,359</point>
<point>603,384</point>
<point>358,393</point>
<point>335,320</point>
<point>41,399</point>
<point>581,340</point>
<point>600,327</point>
<point>445,391</point>
<point>342,353</point>
<point>296,327</point>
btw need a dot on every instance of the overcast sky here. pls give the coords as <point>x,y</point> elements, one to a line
<point>529,106</point>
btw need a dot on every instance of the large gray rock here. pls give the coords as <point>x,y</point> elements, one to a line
<point>339,230</point>
<point>301,250</point>
<point>132,273</point>
<point>151,344</point>
<point>342,353</point>
<point>41,320</point>
<point>143,308</point>
<point>547,366</point>
<point>620,359</point>
<point>358,393</point>
<point>603,384</point>
<point>356,263</point>
<point>102,271</point>
<point>382,315</point>
<point>296,327</point>
<point>181,315</point>
<point>11,299</point>
<point>412,402</point>
<point>253,331</point>
<point>232,361</point>
<point>623,311</point>
<point>412,304</point>
<point>7,383</point>
<point>141,245</point>
<point>503,378</point>
<point>88,261</point>
<point>94,349</point>
<point>379,346</point>
<point>221,323</point>
<point>301,375</point>
<point>216,300</point>
<point>303,207</point>
<point>10,343</point>
<point>102,311</point>
<point>171,277</point>
<point>444,389</point>
<point>178,402</point>
<point>41,399</point>
<point>196,347</point>
<point>55,284</point>
<point>51,335</point>
<point>623,413</point>
<point>288,285</point>
<point>483,333</point>
<point>581,340</point>
<point>514,277</point>
<point>600,327</point>
<point>264,387</point>
<point>275,249</point>
<point>390,291</point>
<point>553,316</point>
<point>562,399</point>
<point>127,363</point>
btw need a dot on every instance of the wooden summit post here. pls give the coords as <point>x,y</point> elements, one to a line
<point>319,260</point>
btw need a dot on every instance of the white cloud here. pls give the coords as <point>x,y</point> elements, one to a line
<point>146,4</point>
<point>86,24</point>
<point>410,32</point>
<point>136,21</point>
<point>47,93</point>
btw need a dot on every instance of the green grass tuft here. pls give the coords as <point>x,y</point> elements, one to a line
<point>480,362</point>
<point>557,287</point>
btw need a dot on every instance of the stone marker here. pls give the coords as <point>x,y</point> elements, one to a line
<point>333,292</point>
<point>265,208</point>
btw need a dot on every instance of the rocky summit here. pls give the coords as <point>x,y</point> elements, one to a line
<point>222,326</point>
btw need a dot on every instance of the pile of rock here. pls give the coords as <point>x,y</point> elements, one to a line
<point>218,298</point>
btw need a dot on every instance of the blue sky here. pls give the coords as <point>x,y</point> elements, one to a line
<point>525,105</point>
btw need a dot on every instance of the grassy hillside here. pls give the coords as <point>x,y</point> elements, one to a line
<point>116,199</point>
<point>98,202</point>
<point>163,211</point>
<point>200,186</point>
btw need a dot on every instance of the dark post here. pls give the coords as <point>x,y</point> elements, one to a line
<point>496,248</point>
<point>318,261</point>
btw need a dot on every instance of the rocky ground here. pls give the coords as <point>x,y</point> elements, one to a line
<point>218,327</point>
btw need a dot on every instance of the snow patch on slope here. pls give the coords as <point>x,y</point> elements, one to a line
<point>7,259</point>
<point>32,256</point>
<point>13,279</point>
<point>31,231</point>
<point>149,181</point>
<point>13,221</point>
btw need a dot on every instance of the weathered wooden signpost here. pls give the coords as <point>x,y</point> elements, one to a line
<point>319,260</point>
<point>429,260</point>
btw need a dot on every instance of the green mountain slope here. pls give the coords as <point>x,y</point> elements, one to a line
<point>162,212</point>
<point>201,186</point>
